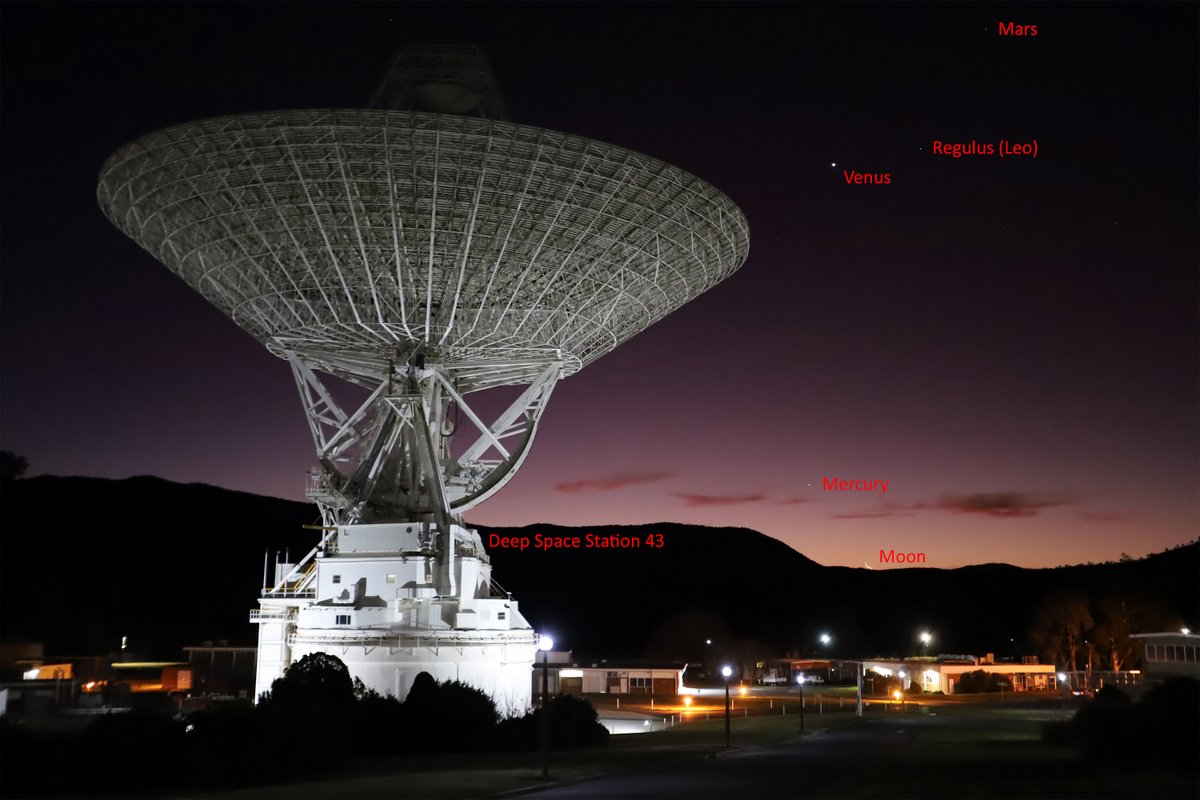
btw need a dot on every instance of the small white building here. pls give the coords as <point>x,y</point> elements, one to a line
<point>628,678</point>
<point>941,674</point>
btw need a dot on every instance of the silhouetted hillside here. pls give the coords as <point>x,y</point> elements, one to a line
<point>87,560</point>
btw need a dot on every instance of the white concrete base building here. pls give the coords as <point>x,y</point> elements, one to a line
<point>381,599</point>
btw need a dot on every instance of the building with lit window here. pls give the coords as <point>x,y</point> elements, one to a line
<point>941,674</point>
<point>626,678</point>
<point>1173,654</point>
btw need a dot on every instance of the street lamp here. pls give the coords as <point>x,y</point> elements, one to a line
<point>726,671</point>
<point>800,683</point>
<point>926,637</point>
<point>826,639</point>
<point>545,644</point>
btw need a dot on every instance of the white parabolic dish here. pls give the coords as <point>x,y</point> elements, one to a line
<point>352,238</point>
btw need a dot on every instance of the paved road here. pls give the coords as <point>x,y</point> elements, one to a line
<point>799,768</point>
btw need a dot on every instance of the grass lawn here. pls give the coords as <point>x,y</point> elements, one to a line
<point>998,753</point>
<point>481,775</point>
<point>967,751</point>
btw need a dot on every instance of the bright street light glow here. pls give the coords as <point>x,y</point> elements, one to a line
<point>1184,631</point>
<point>1062,676</point>
<point>687,701</point>
<point>925,637</point>
<point>545,643</point>
<point>800,679</point>
<point>726,671</point>
<point>896,694</point>
<point>903,674</point>
<point>826,638</point>
<point>742,691</point>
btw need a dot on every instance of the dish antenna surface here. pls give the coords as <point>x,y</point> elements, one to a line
<point>424,257</point>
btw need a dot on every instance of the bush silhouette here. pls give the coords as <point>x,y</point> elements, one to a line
<point>318,679</point>
<point>312,703</point>
<point>450,716</point>
<point>573,723</point>
<point>1159,729</point>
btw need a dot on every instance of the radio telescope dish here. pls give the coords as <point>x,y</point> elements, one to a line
<point>424,257</point>
<point>361,242</point>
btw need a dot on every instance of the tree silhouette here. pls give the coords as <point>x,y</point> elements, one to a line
<point>1116,619</point>
<point>316,680</point>
<point>1060,624</point>
<point>12,466</point>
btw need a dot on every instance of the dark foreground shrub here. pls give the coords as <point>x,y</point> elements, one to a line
<point>312,703</point>
<point>318,680</point>
<point>1107,726</point>
<point>446,717</point>
<point>378,721</point>
<point>1161,728</point>
<point>572,723</point>
<point>228,746</point>
<point>1170,718</point>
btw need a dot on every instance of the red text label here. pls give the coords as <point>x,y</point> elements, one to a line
<point>1013,29</point>
<point>861,178</point>
<point>892,557</point>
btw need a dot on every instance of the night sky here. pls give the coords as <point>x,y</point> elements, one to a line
<point>1010,343</point>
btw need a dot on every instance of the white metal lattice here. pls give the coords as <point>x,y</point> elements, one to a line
<point>353,238</point>
<point>423,257</point>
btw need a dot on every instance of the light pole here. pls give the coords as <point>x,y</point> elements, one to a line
<point>545,643</point>
<point>858,676</point>
<point>827,640</point>
<point>726,671</point>
<point>926,637</point>
<point>800,683</point>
